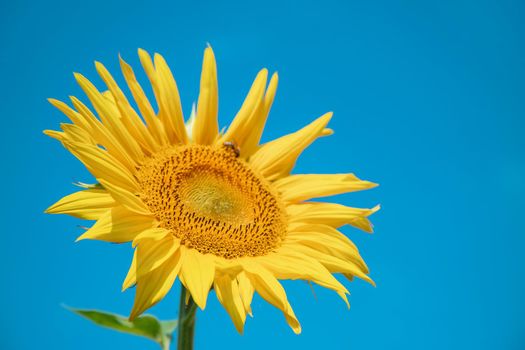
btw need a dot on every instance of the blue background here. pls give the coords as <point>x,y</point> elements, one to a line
<point>428,100</point>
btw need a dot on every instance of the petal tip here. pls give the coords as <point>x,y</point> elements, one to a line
<point>78,76</point>
<point>373,184</point>
<point>208,54</point>
<point>297,329</point>
<point>80,238</point>
<point>371,281</point>
<point>126,285</point>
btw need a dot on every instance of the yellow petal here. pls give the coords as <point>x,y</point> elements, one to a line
<point>152,121</point>
<point>297,188</point>
<point>284,265</point>
<point>197,274</point>
<point>110,116</point>
<point>246,290</point>
<point>110,82</point>
<point>271,290</point>
<point>129,117</point>
<point>103,166</point>
<point>332,263</point>
<point>126,198</point>
<point>87,204</point>
<point>118,225</point>
<point>73,115</point>
<point>152,287</point>
<point>155,234</point>
<point>102,135</point>
<point>170,102</point>
<point>57,135</point>
<point>240,127</point>
<point>131,277</point>
<point>156,84</point>
<point>227,291</point>
<point>75,133</point>
<point>276,159</point>
<point>206,127</point>
<point>325,230</point>
<point>258,119</point>
<point>328,240</point>
<point>153,253</point>
<point>331,214</point>
<point>135,125</point>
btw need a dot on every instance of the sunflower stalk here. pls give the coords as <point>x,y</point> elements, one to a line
<point>187,312</point>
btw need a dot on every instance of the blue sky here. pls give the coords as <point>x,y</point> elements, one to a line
<point>429,101</point>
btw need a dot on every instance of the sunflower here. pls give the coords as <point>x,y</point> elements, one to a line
<point>214,208</point>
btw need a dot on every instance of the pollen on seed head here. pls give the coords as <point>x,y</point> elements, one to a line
<point>212,201</point>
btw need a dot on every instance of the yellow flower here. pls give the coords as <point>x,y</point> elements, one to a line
<point>216,209</point>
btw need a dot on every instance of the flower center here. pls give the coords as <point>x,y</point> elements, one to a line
<point>212,201</point>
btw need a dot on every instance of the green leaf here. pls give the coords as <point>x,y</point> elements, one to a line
<point>145,326</point>
<point>169,326</point>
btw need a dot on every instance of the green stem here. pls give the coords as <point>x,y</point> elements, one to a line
<point>186,321</point>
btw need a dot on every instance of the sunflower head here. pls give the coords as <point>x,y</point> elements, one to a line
<point>212,201</point>
<point>215,209</point>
